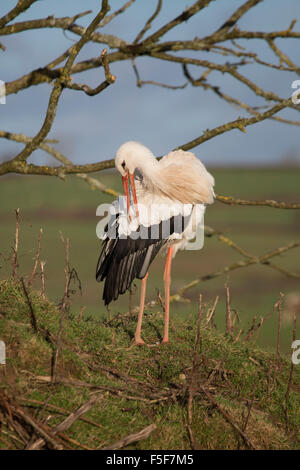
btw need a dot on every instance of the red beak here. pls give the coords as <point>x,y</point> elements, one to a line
<point>126,179</point>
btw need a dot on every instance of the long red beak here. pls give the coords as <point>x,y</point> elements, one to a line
<point>129,178</point>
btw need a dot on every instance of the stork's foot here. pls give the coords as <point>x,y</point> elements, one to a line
<point>165,341</point>
<point>139,342</point>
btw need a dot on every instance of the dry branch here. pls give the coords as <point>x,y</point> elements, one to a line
<point>49,22</point>
<point>238,104</point>
<point>30,402</point>
<point>233,19</point>
<point>210,314</point>
<point>228,418</point>
<point>263,259</point>
<point>67,423</point>
<point>13,410</point>
<point>16,11</point>
<point>143,434</point>
<point>20,160</point>
<point>269,203</point>
<point>240,124</point>
<point>109,79</point>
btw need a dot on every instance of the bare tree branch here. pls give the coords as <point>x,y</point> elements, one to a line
<point>184,16</point>
<point>270,203</point>
<point>151,47</point>
<point>17,10</point>
<point>233,19</point>
<point>237,124</point>
<point>202,82</point>
<point>148,23</point>
<point>264,259</point>
<point>20,159</point>
<point>109,79</point>
<point>109,18</point>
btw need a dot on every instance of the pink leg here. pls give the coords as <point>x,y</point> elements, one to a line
<point>167,282</point>
<point>138,338</point>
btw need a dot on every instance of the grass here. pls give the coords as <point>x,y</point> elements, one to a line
<point>139,386</point>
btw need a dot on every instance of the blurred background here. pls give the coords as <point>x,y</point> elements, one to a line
<point>262,163</point>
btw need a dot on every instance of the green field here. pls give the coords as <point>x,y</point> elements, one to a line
<point>70,207</point>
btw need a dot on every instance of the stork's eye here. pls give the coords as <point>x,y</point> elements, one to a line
<point>123,164</point>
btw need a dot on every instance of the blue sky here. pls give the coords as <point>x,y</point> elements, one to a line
<point>90,129</point>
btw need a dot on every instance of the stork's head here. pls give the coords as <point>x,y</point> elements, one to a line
<point>131,156</point>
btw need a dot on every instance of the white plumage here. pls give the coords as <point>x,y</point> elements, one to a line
<point>165,204</point>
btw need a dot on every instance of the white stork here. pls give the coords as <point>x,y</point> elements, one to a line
<point>163,197</point>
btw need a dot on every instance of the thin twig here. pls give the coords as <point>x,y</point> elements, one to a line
<point>148,23</point>
<point>255,327</point>
<point>229,326</point>
<point>288,390</point>
<point>42,263</point>
<point>210,314</point>
<point>109,18</point>
<point>15,264</point>
<point>73,441</point>
<point>37,256</point>
<point>140,83</point>
<point>82,309</point>
<point>192,382</point>
<point>279,304</point>
<point>67,273</point>
<point>62,311</point>
<point>249,412</point>
<point>198,330</point>
<point>31,310</point>
<point>269,203</point>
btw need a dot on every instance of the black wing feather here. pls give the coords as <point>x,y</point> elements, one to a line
<point>124,259</point>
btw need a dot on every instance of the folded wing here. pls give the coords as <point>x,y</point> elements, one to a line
<point>128,252</point>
